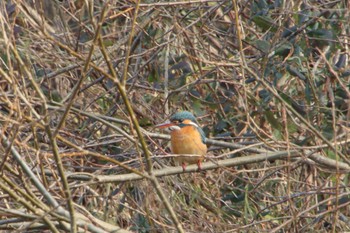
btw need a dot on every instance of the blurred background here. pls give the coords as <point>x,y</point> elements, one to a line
<point>82,83</point>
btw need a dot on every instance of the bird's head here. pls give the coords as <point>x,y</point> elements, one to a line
<point>180,120</point>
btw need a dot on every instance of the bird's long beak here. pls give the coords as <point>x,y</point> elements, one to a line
<point>166,124</point>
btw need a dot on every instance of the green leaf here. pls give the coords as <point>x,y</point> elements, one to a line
<point>265,23</point>
<point>295,72</point>
<point>277,133</point>
<point>272,120</point>
<point>320,37</point>
<point>288,31</point>
<point>263,45</point>
<point>328,132</point>
<point>221,125</point>
<point>232,211</point>
<point>284,49</point>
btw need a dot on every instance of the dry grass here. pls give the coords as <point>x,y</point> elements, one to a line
<point>83,82</point>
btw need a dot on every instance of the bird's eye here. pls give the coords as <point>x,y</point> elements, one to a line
<point>178,121</point>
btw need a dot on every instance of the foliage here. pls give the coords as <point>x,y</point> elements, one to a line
<point>78,78</point>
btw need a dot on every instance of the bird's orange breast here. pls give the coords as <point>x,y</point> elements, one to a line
<point>187,140</point>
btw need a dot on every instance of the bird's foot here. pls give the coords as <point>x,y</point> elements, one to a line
<point>199,163</point>
<point>183,165</point>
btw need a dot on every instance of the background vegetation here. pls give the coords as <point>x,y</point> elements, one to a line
<point>83,82</point>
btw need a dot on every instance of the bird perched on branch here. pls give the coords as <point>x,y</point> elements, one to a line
<point>187,138</point>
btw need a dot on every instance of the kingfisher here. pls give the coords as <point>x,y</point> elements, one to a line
<point>187,138</point>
